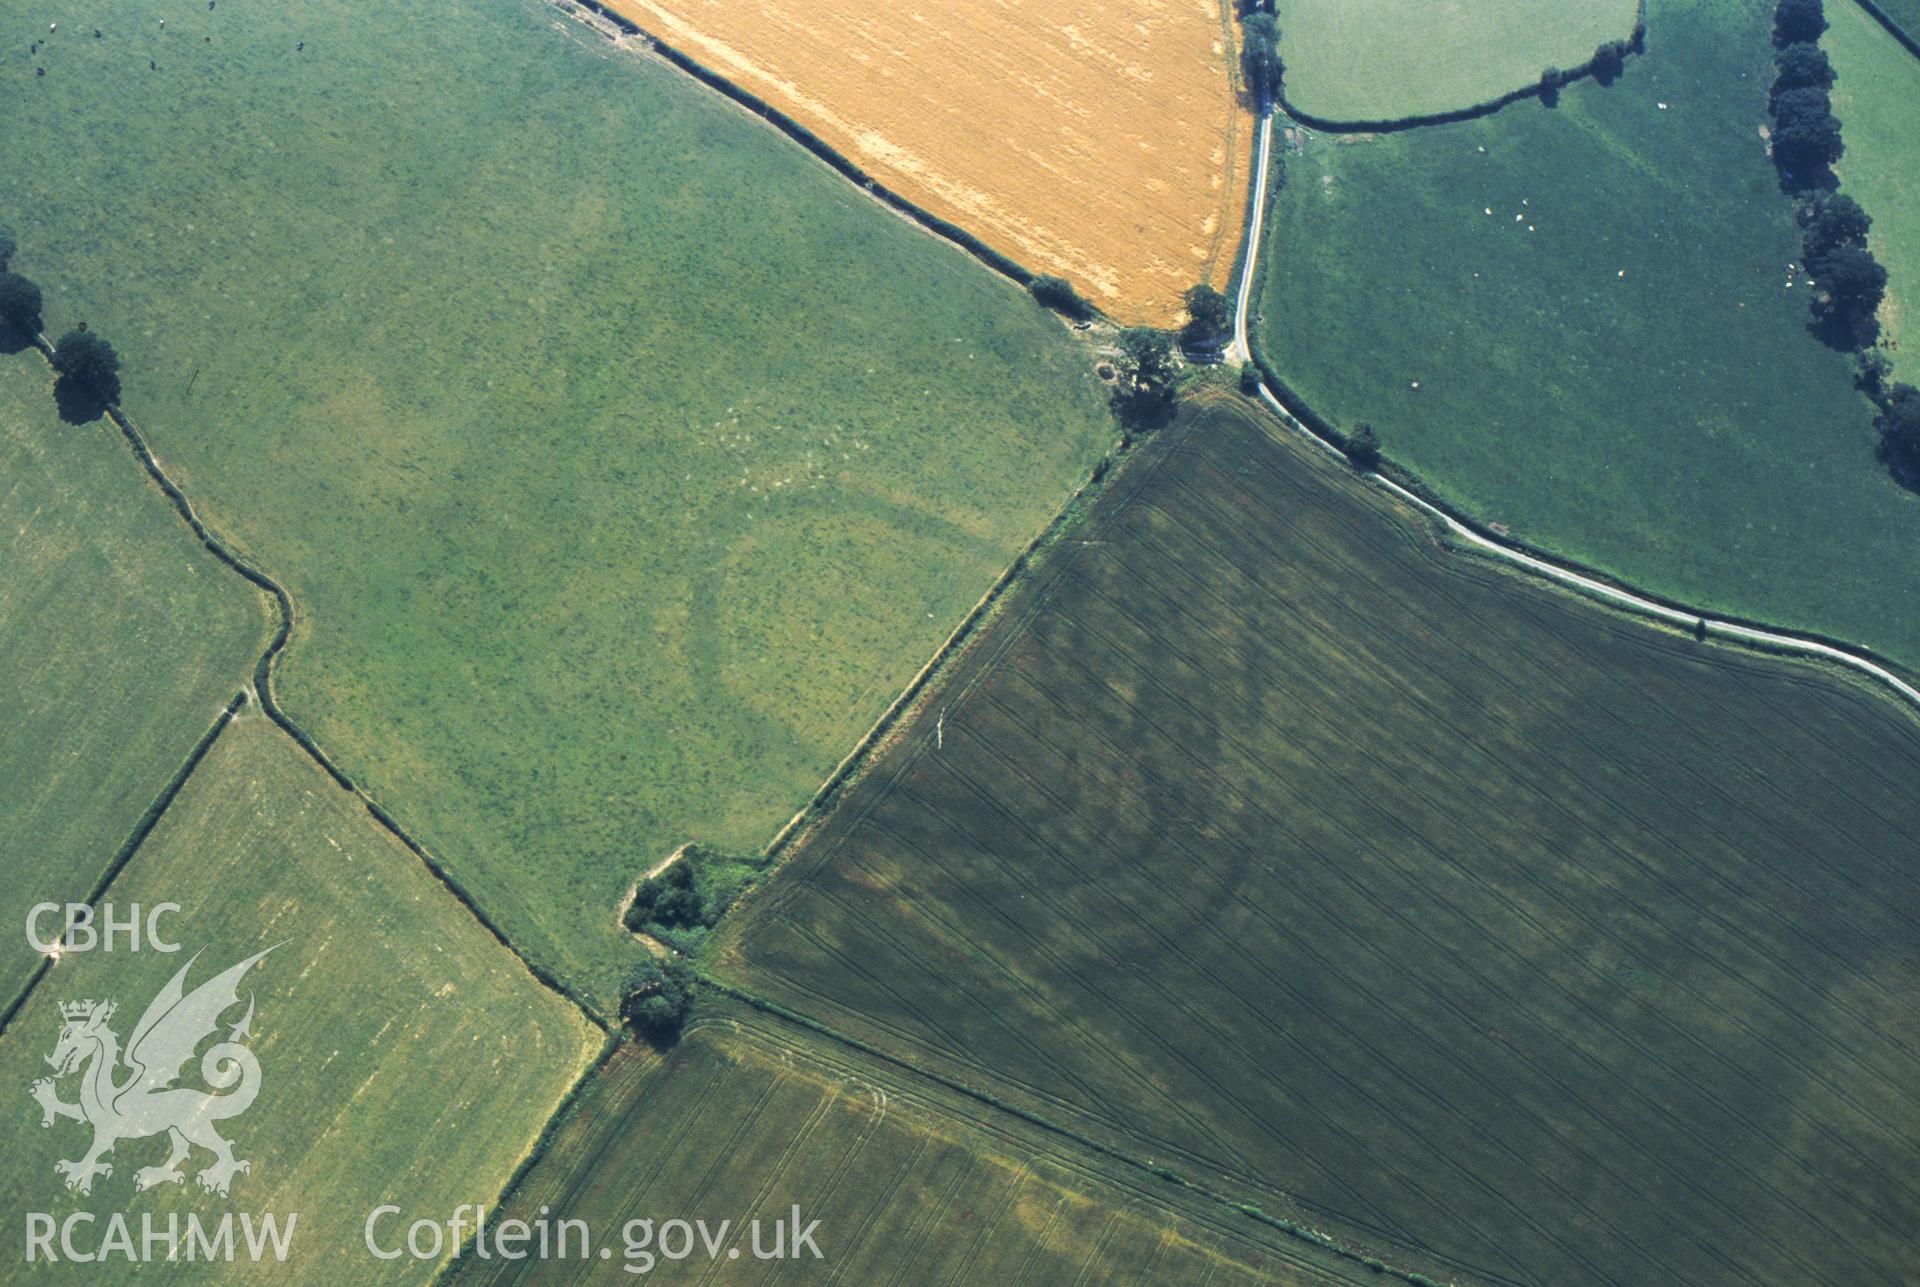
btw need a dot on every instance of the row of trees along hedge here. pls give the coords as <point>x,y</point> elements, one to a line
<point>1606,65</point>
<point>87,366</point>
<point>1848,283</point>
<point>1260,60</point>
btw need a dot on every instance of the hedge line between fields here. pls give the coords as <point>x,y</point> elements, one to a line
<point>1289,1227</point>
<point>806,138</point>
<point>1393,124</point>
<point>1892,25</point>
<point>137,837</point>
<point>263,690</point>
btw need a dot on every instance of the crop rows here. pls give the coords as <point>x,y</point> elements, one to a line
<point>1480,923</point>
<point>740,1122</point>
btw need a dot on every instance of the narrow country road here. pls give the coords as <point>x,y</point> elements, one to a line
<point>1240,350</point>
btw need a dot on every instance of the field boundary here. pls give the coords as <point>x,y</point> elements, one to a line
<point>135,838</point>
<point>865,751</point>
<point>1892,25</point>
<point>1305,1233</point>
<point>1487,107</point>
<point>945,229</point>
<point>262,684</point>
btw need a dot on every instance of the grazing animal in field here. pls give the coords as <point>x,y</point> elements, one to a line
<point>39,71</point>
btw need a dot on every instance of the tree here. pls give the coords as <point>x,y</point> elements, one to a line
<point>1208,316</point>
<point>1808,102</point>
<point>659,996</point>
<point>1363,447</point>
<point>1795,21</point>
<point>1873,368</point>
<point>1802,65</point>
<point>1850,285</point>
<point>88,364</point>
<point>669,900</point>
<point>1899,426</point>
<point>1058,294</point>
<point>1145,392</point>
<point>1609,60</point>
<point>1550,82</point>
<point>1249,379</point>
<point>1851,277</point>
<point>1832,222</point>
<point>1260,57</point>
<point>7,247</point>
<point>19,304</point>
<point>1808,145</point>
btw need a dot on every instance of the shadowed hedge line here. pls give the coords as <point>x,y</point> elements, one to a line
<point>806,138</point>
<point>1326,125</point>
<point>1893,27</point>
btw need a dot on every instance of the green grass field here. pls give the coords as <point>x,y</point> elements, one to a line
<point>623,461</point>
<point>1373,60</point>
<point>742,1122</point>
<point>1611,363</point>
<point>1511,938</point>
<point>1875,99</point>
<point>123,640</point>
<point>405,1055</point>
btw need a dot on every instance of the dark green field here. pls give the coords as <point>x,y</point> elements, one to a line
<point>1612,362</point>
<point>743,1120</point>
<point>1508,937</point>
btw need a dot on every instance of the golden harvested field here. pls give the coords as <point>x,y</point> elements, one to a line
<point>1101,141</point>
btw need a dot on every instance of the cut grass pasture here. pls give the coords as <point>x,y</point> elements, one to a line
<point>743,1122</point>
<point>1100,141</point>
<point>1612,363</point>
<point>623,461</point>
<point>1273,844</point>
<point>405,1055</point>
<point>1876,98</point>
<point>1377,60</point>
<point>123,639</point>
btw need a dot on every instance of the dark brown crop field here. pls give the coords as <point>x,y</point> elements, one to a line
<point>1514,940</point>
<point>748,1118</point>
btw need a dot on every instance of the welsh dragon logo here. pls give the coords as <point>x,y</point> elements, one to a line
<point>131,1095</point>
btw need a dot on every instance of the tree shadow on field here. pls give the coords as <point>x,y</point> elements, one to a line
<point>78,405</point>
<point>14,339</point>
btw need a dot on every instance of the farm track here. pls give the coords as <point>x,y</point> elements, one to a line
<point>262,686</point>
